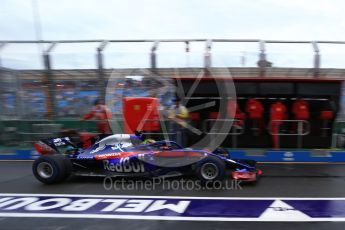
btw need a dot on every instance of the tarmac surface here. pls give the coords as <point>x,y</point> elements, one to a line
<point>279,180</point>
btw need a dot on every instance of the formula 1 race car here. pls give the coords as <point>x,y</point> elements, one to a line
<point>127,155</point>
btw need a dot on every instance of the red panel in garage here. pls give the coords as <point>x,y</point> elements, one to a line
<point>140,113</point>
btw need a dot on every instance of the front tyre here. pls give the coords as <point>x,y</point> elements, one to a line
<point>52,169</point>
<point>210,169</point>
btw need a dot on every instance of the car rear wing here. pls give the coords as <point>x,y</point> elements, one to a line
<point>54,145</point>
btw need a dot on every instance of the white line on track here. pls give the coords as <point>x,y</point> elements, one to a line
<point>175,197</point>
<point>130,217</point>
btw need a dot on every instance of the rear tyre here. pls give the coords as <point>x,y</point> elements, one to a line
<point>211,169</point>
<point>52,169</point>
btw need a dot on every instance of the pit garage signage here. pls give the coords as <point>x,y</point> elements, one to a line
<point>172,208</point>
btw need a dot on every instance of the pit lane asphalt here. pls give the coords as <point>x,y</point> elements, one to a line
<point>279,180</point>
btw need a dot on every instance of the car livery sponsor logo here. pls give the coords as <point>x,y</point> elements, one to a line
<point>100,148</point>
<point>118,155</point>
<point>60,141</point>
<point>85,156</point>
<point>117,146</point>
<point>107,156</point>
<point>124,166</point>
<point>173,208</point>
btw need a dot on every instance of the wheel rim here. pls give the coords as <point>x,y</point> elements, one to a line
<point>209,171</point>
<point>45,170</point>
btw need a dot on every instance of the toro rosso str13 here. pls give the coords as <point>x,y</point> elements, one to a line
<point>127,155</point>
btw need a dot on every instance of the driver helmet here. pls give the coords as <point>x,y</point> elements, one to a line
<point>140,135</point>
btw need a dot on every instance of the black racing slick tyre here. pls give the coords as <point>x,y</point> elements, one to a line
<point>211,169</point>
<point>51,169</point>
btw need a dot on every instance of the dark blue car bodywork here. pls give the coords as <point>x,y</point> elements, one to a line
<point>124,155</point>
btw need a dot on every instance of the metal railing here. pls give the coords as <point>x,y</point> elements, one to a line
<point>235,129</point>
<point>165,128</point>
<point>302,128</point>
<point>155,45</point>
<point>48,72</point>
<point>338,135</point>
<point>24,132</point>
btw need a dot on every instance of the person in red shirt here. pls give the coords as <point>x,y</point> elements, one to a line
<point>238,115</point>
<point>102,113</point>
<point>255,111</point>
<point>300,110</point>
<point>327,115</point>
<point>277,113</point>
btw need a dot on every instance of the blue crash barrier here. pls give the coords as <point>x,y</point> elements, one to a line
<point>291,156</point>
<point>267,156</point>
<point>21,154</point>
